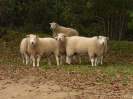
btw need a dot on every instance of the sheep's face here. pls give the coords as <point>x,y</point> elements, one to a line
<point>53,25</point>
<point>33,40</point>
<point>103,39</point>
<point>61,37</point>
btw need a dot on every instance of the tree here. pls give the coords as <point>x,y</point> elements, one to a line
<point>113,16</point>
<point>90,17</point>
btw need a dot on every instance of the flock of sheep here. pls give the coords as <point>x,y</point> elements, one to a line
<point>65,44</point>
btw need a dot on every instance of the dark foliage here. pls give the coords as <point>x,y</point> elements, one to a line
<point>112,18</point>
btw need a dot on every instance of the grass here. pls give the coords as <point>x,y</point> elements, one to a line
<point>121,46</point>
<point>110,69</point>
<point>103,74</point>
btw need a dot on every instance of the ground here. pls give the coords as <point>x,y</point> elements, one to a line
<point>37,83</point>
<point>113,80</point>
<point>26,89</point>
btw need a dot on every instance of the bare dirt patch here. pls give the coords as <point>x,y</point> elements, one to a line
<point>30,84</point>
<point>33,83</point>
<point>23,90</point>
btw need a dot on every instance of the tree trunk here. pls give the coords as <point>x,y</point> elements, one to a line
<point>114,26</point>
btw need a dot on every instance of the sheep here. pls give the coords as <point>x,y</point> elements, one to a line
<point>37,47</point>
<point>105,39</point>
<point>61,38</point>
<point>23,50</point>
<point>80,45</point>
<point>83,45</point>
<point>104,50</point>
<point>56,28</point>
<point>62,46</point>
<point>25,55</point>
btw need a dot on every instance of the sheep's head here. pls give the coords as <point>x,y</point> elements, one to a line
<point>33,39</point>
<point>53,25</point>
<point>103,39</point>
<point>61,37</point>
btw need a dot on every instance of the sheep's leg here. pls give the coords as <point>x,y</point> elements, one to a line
<point>69,54</point>
<point>26,58</point>
<point>95,61</point>
<point>98,60</point>
<point>57,60</point>
<point>61,59</point>
<point>33,60</point>
<point>38,60</point>
<point>30,60</point>
<point>92,61</point>
<point>101,60</point>
<point>68,60</point>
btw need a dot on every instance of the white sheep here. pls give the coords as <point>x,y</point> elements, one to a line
<point>83,45</point>
<point>25,55</point>
<point>23,50</point>
<point>80,45</point>
<point>62,46</point>
<point>104,39</point>
<point>56,28</point>
<point>37,47</point>
<point>61,38</point>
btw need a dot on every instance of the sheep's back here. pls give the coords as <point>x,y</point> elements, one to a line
<point>77,43</point>
<point>66,31</point>
<point>47,44</point>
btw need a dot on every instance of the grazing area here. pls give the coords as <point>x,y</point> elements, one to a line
<point>112,80</point>
<point>66,49</point>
